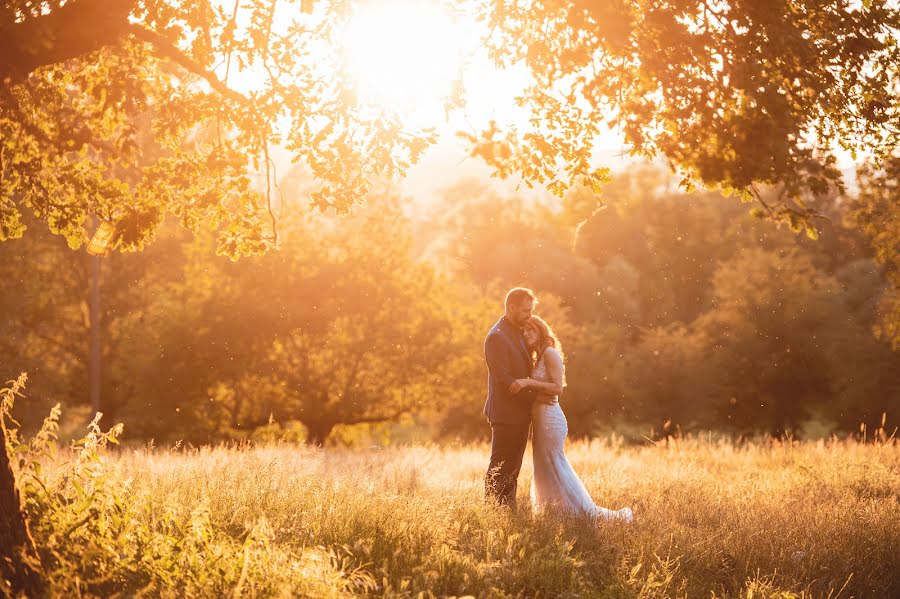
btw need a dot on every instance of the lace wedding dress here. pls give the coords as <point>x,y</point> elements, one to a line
<point>555,486</point>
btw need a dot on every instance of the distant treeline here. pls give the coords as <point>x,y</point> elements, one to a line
<point>676,312</point>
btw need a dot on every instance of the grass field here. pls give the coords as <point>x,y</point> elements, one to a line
<point>712,520</point>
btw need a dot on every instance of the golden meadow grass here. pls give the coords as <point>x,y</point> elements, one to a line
<point>712,520</point>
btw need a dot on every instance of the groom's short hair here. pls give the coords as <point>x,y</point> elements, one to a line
<point>517,295</point>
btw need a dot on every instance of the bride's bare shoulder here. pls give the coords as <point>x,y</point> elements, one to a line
<point>555,367</point>
<point>552,354</point>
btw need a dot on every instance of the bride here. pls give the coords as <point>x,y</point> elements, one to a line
<point>555,486</point>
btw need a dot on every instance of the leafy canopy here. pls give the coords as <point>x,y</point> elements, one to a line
<point>734,94</point>
<point>132,109</point>
<point>876,212</point>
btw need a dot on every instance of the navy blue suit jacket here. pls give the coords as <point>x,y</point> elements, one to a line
<point>507,359</point>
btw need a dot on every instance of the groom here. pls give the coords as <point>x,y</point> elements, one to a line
<point>508,359</point>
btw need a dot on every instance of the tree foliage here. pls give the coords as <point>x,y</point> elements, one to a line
<point>734,94</point>
<point>125,110</point>
<point>877,213</point>
<point>134,109</point>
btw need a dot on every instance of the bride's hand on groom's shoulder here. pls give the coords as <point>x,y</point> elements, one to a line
<point>519,384</point>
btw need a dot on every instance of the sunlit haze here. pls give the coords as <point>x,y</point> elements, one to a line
<point>405,56</point>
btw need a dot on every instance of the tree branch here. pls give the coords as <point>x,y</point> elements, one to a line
<point>78,28</point>
<point>75,29</point>
<point>167,49</point>
<point>67,136</point>
<point>756,194</point>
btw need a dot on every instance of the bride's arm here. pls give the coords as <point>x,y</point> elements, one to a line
<point>555,372</point>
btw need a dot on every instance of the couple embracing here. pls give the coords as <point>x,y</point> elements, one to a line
<point>526,376</point>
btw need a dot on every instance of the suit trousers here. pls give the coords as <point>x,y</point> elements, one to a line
<point>508,442</point>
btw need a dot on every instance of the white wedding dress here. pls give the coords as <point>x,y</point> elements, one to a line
<point>555,486</point>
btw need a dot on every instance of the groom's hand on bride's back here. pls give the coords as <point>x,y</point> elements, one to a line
<point>547,399</point>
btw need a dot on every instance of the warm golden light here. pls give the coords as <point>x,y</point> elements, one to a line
<point>404,56</point>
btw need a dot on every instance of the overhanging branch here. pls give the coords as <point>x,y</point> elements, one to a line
<point>167,49</point>
<point>73,30</point>
<point>79,28</point>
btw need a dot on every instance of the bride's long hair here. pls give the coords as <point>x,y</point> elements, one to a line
<point>547,338</point>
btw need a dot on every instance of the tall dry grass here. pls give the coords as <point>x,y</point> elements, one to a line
<point>712,520</point>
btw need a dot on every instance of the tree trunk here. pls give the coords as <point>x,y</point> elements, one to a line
<point>317,433</point>
<point>95,380</point>
<point>18,557</point>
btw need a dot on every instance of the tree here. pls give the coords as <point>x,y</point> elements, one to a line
<point>47,316</point>
<point>356,372</point>
<point>376,348</point>
<point>876,212</point>
<point>781,340</point>
<point>672,241</point>
<point>44,320</point>
<point>19,563</point>
<point>668,378</point>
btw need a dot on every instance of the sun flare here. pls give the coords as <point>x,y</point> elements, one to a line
<point>404,55</point>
